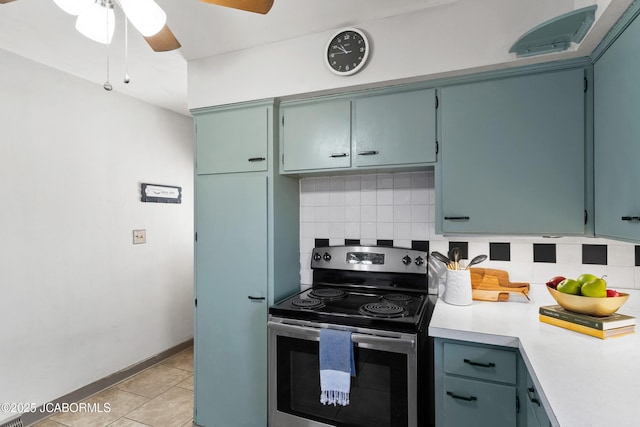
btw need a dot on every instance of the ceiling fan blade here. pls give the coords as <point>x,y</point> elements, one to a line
<point>5,1</point>
<point>163,41</point>
<point>257,6</point>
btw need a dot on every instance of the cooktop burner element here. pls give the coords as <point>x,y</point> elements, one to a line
<point>309,303</point>
<point>398,298</point>
<point>327,294</point>
<point>382,309</point>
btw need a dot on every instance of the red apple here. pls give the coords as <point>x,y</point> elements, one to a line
<point>612,293</point>
<point>553,283</point>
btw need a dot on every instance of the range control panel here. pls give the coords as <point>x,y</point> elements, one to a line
<point>370,258</point>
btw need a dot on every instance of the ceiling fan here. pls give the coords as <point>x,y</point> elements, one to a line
<point>145,15</point>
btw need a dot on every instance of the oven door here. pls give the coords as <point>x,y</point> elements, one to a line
<point>383,392</point>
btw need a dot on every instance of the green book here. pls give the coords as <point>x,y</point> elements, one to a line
<point>616,320</point>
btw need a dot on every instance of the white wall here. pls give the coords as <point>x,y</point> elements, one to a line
<point>455,37</point>
<point>78,300</point>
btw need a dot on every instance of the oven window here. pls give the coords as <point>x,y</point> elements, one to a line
<point>378,392</point>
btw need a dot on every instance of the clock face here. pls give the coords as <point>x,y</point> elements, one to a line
<point>347,52</point>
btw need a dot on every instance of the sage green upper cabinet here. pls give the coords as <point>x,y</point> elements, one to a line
<point>513,156</point>
<point>617,138</point>
<point>316,135</point>
<point>395,129</point>
<point>373,130</point>
<point>233,140</point>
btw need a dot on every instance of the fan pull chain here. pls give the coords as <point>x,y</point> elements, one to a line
<point>126,50</point>
<point>107,86</point>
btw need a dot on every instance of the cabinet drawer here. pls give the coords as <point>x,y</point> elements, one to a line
<point>480,362</point>
<point>476,403</point>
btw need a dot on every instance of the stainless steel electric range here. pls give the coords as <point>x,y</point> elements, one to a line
<point>381,295</point>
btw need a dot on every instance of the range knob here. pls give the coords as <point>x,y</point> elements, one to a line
<point>419,261</point>
<point>406,260</point>
<point>317,256</point>
<point>327,257</point>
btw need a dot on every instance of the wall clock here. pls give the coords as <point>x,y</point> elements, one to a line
<point>347,51</point>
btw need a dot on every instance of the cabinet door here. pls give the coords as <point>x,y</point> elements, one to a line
<point>513,155</point>
<point>535,410</point>
<point>317,135</point>
<point>478,403</point>
<point>617,138</point>
<point>232,141</point>
<point>395,129</point>
<point>231,332</point>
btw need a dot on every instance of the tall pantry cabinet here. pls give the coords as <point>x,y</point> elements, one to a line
<point>246,258</point>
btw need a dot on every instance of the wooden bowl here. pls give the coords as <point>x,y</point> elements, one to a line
<point>587,305</point>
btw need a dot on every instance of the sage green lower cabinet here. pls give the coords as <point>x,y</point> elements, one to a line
<point>513,156</point>
<point>316,135</point>
<point>475,385</point>
<point>231,329</point>
<point>484,385</point>
<point>478,403</point>
<point>395,128</point>
<point>617,138</point>
<point>536,415</point>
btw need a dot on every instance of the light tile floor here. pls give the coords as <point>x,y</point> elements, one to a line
<point>160,396</point>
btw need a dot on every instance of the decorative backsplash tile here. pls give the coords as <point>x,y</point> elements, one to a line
<point>500,251</point>
<point>594,254</point>
<point>544,252</point>
<point>398,209</point>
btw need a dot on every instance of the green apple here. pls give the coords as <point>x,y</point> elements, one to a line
<point>569,286</point>
<point>586,277</point>
<point>596,288</point>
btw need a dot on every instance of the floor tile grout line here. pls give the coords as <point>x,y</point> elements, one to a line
<point>115,386</point>
<point>157,397</point>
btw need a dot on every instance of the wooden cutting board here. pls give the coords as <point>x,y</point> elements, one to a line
<point>489,284</point>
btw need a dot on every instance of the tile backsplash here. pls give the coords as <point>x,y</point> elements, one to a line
<point>399,209</point>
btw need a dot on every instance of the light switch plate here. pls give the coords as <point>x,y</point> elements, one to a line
<point>139,236</point>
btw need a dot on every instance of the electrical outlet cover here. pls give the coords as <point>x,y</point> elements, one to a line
<point>139,236</point>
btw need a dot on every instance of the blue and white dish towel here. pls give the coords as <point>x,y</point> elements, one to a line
<point>337,366</point>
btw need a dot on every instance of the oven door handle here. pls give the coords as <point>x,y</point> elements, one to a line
<point>384,343</point>
<point>362,340</point>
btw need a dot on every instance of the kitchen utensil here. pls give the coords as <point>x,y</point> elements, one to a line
<point>440,257</point>
<point>589,305</point>
<point>476,260</point>
<point>455,256</point>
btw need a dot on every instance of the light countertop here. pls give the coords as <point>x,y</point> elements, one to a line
<point>583,381</point>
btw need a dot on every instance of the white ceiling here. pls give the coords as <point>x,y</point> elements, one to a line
<point>39,30</point>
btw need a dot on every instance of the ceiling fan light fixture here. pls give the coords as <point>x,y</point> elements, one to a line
<point>72,7</point>
<point>145,15</point>
<point>97,21</point>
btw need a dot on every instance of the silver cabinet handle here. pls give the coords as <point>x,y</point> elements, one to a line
<point>257,159</point>
<point>256,298</point>
<point>339,155</point>
<point>368,153</point>
<point>457,218</point>
<point>631,218</point>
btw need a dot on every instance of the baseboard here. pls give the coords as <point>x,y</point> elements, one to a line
<point>82,393</point>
